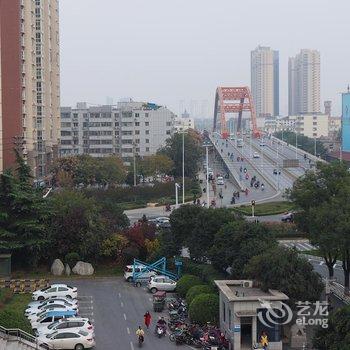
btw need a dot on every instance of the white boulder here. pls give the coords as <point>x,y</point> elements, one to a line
<point>57,267</point>
<point>83,269</point>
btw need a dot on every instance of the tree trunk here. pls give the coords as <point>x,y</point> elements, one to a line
<point>346,269</point>
<point>330,261</point>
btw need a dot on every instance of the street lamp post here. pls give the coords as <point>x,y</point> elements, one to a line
<point>207,145</point>
<point>177,186</point>
<point>183,167</point>
<point>315,147</point>
<point>296,142</point>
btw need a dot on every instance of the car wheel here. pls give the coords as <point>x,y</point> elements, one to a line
<point>68,297</point>
<point>172,337</point>
<point>138,284</point>
<point>153,290</point>
<point>41,298</point>
<point>79,347</point>
<point>129,279</point>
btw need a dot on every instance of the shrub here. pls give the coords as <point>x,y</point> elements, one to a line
<point>205,271</point>
<point>71,259</point>
<point>204,308</point>
<point>196,290</point>
<point>185,283</point>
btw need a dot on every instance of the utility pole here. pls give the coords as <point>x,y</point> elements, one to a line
<point>207,145</point>
<point>183,166</point>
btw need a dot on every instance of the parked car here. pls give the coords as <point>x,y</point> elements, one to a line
<point>128,272</point>
<point>220,181</point>
<point>71,324</point>
<point>256,155</point>
<point>77,340</point>
<point>287,217</point>
<point>36,304</point>
<point>51,316</point>
<point>262,143</point>
<point>56,305</point>
<point>56,290</point>
<point>35,316</point>
<point>275,172</point>
<point>162,283</point>
<point>162,219</point>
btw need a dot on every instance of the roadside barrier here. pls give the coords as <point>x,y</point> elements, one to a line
<point>20,286</point>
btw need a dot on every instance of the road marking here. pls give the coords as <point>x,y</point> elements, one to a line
<point>128,330</point>
<point>119,295</point>
<point>121,304</point>
<point>150,299</point>
<point>132,345</point>
<point>124,317</point>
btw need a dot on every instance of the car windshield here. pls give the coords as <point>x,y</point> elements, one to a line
<point>83,333</point>
<point>51,335</point>
<point>52,325</point>
<point>44,289</point>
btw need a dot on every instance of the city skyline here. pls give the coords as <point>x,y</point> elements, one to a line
<point>183,58</point>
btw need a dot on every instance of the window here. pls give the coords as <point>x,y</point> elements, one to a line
<point>146,123</point>
<point>168,132</point>
<point>137,115</point>
<point>146,115</point>
<point>229,318</point>
<point>147,149</point>
<point>62,289</point>
<point>51,290</point>
<point>137,123</point>
<point>147,132</point>
<point>224,311</point>
<point>168,123</point>
<point>314,123</point>
<point>65,133</point>
<point>137,132</point>
<point>62,325</point>
<point>147,140</point>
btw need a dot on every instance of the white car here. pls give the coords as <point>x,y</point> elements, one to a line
<point>256,155</point>
<point>36,316</point>
<point>162,219</point>
<point>36,304</point>
<point>51,316</point>
<point>128,272</point>
<point>220,181</point>
<point>71,324</point>
<point>162,283</point>
<point>52,304</point>
<point>77,340</point>
<point>210,173</point>
<point>56,290</point>
<point>262,143</point>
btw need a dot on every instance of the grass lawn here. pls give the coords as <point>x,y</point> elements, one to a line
<point>264,209</point>
<point>12,312</point>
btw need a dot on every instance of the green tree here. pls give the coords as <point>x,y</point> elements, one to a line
<point>76,225</point>
<point>154,165</point>
<point>23,216</point>
<point>183,221</point>
<point>237,242</point>
<point>205,308</point>
<point>322,197</point>
<point>193,153</point>
<point>208,223</point>
<point>114,246</point>
<point>305,143</point>
<point>186,282</point>
<point>283,269</point>
<point>337,335</point>
<point>196,290</point>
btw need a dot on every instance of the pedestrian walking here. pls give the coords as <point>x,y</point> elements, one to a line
<point>246,191</point>
<point>147,318</point>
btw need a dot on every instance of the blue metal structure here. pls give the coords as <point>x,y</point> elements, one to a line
<point>158,266</point>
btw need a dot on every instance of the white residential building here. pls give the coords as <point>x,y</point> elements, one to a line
<point>304,83</point>
<point>130,128</point>
<point>184,123</point>
<point>265,81</point>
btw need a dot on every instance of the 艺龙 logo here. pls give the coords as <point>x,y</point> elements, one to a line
<point>274,313</point>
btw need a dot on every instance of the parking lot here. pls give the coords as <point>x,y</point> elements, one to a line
<point>117,308</point>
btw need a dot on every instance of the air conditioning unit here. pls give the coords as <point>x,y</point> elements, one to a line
<point>247,284</point>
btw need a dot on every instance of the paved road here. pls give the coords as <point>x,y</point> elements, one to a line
<point>118,309</point>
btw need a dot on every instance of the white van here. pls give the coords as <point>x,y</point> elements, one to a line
<point>220,181</point>
<point>129,269</point>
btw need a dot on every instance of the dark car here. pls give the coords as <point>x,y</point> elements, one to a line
<point>275,172</point>
<point>287,217</point>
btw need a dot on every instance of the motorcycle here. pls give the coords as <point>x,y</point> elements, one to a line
<point>140,340</point>
<point>168,207</point>
<point>160,331</point>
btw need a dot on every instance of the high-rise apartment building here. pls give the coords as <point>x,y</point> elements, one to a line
<point>130,128</point>
<point>304,83</point>
<point>265,81</point>
<point>29,35</point>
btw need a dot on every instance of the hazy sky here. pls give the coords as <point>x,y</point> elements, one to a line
<point>177,52</point>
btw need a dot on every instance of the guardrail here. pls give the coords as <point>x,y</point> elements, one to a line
<point>21,336</point>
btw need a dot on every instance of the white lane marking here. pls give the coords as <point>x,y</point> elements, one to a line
<point>121,304</point>
<point>119,295</point>
<point>132,345</point>
<point>124,317</point>
<point>128,330</point>
<point>321,263</point>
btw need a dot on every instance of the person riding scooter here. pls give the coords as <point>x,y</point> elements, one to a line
<point>140,335</point>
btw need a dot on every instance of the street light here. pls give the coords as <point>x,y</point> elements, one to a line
<point>207,145</point>
<point>177,186</point>
<point>183,167</point>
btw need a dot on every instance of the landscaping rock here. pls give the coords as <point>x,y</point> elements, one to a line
<point>68,270</point>
<point>57,267</point>
<point>83,269</point>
